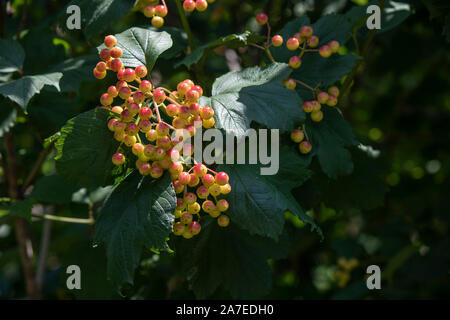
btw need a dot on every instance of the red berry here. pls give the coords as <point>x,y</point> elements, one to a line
<point>194,109</point>
<point>277,41</point>
<point>137,149</point>
<point>174,155</point>
<point>162,129</point>
<point>172,110</point>
<point>193,180</point>
<point>315,105</point>
<point>183,87</point>
<point>292,44</point>
<point>159,96</point>
<point>305,147</point>
<point>124,92</point>
<point>208,180</point>
<point>134,108</point>
<point>325,51</point>
<point>222,178</point>
<point>118,159</point>
<point>141,71</point>
<point>110,41</point>
<point>313,41</point>
<point>145,125</point>
<point>200,170</point>
<point>101,66</point>
<point>116,52</point>
<point>132,129</point>
<point>104,55</point>
<point>145,113</point>
<point>201,5</point>
<point>202,192</point>
<point>186,218</point>
<point>195,227</point>
<point>222,205</point>
<point>149,150</point>
<point>119,126</point>
<point>192,95</point>
<point>111,123</point>
<point>145,86</point>
<point>207,112</point>
<point>295,62</point>
<point>149,11</point>
<point>189,5</point>
<point>225,189</point>
<point>126,115</point>
<point>190,197</point>
<point>129,75</point>
<point>161,10</point>
<point>184,178</point>
<point>199,89</point>
<point>106,99</point>
<point>307,106</point>
<point>208,206</point>
<point>290,83</point>
<point>98,74</point>
<point>322,97</point>
<point>178,123</point>
<point>334,46</point>
<point>138,97</point>
<point>120,75</point>
<point>306,32</point>
<point>156,172</point>
<point>262,18</point>
<point>116,65</point>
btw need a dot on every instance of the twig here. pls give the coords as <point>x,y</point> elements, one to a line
<point>63,219</point>
<point>43,253</point>
<point>37,167</point>
<point>185,24</point>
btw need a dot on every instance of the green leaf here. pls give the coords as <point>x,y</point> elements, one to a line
<point>329,139</point>
<point>138,213</point>
<point>255,94</point>
<point>21,208</point>
<point>22,90</point>
<point>12,55</point>
<point>52,189</point>
<point>85,149</point>
<point>229,257</point>
<point>75,72</point>
<point>142,46</point>
<point>364,188</point>
<point>231,41</point>
<point>258,203</point>
<point>8,115</point>
<point>98,15</point>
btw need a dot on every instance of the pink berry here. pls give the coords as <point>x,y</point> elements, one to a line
<point>222,178</point>
<point>262,18</point>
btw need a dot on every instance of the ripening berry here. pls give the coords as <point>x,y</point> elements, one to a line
<point>106,99</point>
<point>189,5</point>
<point>225,189</point>
<point>317,116</point>
<point>118,159</point>
<point>110,41</point>
<point>190,197</point>
<point>164,142</point>
<point>184,178</point>
<point>151,135</point>
<point>223,221</point>
<point>192,95</point>
<point>334,46</point>
<point>133,108</point>
<point>149,11</point>
<point>208,124</point>
<point>145,126</point>
<point>305,147</point>
<point>149,151</point>
<point>104,54</point>
<point>208,206</point>
<point>325,51</point>
<point>178,123</point>
<point>194,208</point>
<point>306,31</point>
<point>119,136</point>
<point>183,112</point>
<point>313,41</point>
<point>202,192</point>
<point>186,218</point>
<point>179,188</point>
<point>199,89</point>
<point>332,101</point>
<point>208,180</point>
<point>160,153</point>
<point>144,169</point>
<point>99,75</point>
<point>174,155</point>
<point>214,190</point>
<point>156,172</point>
<point>159,96</point>
<point>172,110</point>
<point>193,180</point>
<point>295,62</point>
<point>262,18</point>
<point>315,105</point>
<point>161,10</point>
<point>119,126</point>
<point>101,66</point>
<point>277,40</point>
<point>157,22</point>
<point>132,129</point>
<point>307,106</point>
<point>138,97</point>
<point>214,213</point>
<point>297,135</point>
<point>120,84</point>
<point>333,90</point>
<point>290,83</point>
<point>176,167</point>
<point>178,228</point>
<point>292,44</point>
<point>116,52</point>
<point>111,123</point>
<point>194,109</point>
<point>145,86</point>
<point>200,170</point>
<point>120,74</point>
<point>112,91</point>
<point>124,93</point>
<point>195,227</point>
<point>137,149</point>
<point>322,97</point>
<point>141,71</point>
<point>129,75</point>
<point>183,87</point>
<point>162,129</point>
<point>190,129</point>
<point>222,205</point>
<point>207,112</point>
<point>145,113</point>
<point>126,115</point>
<point>201,5</point>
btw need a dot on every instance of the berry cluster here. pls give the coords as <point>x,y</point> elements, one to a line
<point>306,41</point>
<point>156,12</point>
<point>199,185</point>
<point>158,145</point>
<point>298,136</point>
<point>200,5</point>
<point>313,107</point>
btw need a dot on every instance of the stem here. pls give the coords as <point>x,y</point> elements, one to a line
<point>37,167</point>
<point>268,34</point>
<point>185,24</point>
<point>269,55</point>
<point>305,85</point>
<point>63,219</point>
<point>43,253</point>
